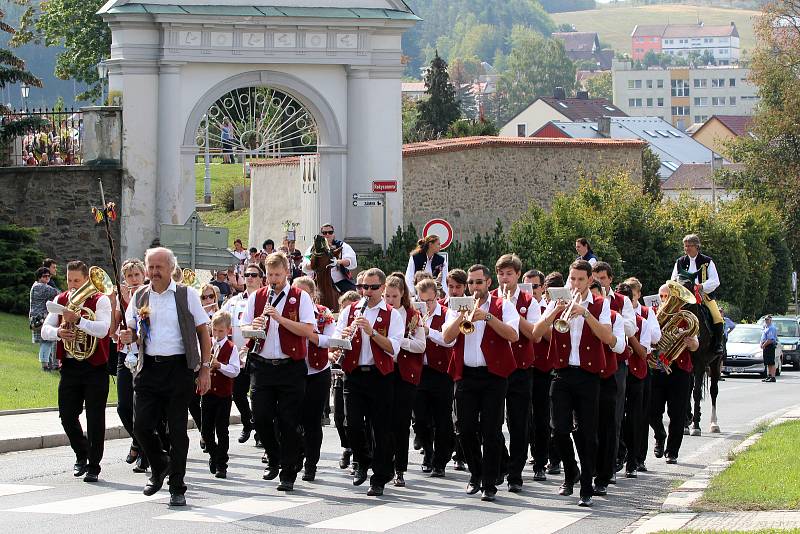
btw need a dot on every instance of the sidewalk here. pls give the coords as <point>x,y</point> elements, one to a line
<point>42,429</point>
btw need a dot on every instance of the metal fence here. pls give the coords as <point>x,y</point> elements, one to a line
<point>53,138</point>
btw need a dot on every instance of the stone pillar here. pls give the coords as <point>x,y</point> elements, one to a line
<point>333,193</point>
<point>170,208</point>
<point>102,135</point>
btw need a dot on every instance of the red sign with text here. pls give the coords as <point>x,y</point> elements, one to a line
<point>384,186</point>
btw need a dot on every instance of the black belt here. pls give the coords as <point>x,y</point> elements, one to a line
<point>155,358</point>
<point>365,368</point>
<point>270,361</point>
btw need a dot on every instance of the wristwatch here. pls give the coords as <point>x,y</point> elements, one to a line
<point>489,317</point>
<point>374,333</point>
<point>206,365</point>
<point>585,313</point>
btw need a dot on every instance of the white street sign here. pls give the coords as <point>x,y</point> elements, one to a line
<point>368,203</point>
<point>368,196</point>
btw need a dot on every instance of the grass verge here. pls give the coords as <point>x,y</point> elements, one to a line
<point>766,476</point>
<point>23,384</point>
<point>223,176</point>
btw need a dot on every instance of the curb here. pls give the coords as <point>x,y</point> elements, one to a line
<point>23,411</point>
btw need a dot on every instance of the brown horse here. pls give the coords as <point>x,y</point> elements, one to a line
<point>321,258</point>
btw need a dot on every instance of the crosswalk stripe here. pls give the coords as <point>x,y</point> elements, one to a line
<point>238,509</point>
<point>92,503</point>
<point>15,489</point>
<point>381,518</point>
<point>539,521</point>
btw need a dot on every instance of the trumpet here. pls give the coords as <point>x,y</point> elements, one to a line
<point>468,326</point>
<point>562,323</point>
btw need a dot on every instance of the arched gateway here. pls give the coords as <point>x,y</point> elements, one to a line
<point>340,60</point>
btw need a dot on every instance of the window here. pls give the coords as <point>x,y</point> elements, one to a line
<point>649,102</point>
<point>670,165</point>
<point>649,84</point>
<point>667,41</point>
<point>700,118</point>
<point>708,40</point>
<point>700,82</point>
<point>680,111</point>
<point>732,100</point>
<point>651,133</point>
<point>674,133</point>
<point>630,84</point>
<point>563,105</point>
<point>680,87</point>
<point>723,51</point>
<point>718,82</point>
<point>609,108</point>
<point>732,82</point>
<point>637,84</point>
<point>660,84</point>
<point>701,101</point>
<point>718,101</point>
<point>663,133</point>
<point>660,102</point>
<point>634,102</point>
<point>522,130</point>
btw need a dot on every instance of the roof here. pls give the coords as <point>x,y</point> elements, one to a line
<point>700,30</point>
<point>648,30</point>
<point>694,176</point>
<point>671,145</point>
<point>602,58</point>
<point>413,87</point>
<point>578,41</point>
<point>583,109</point>
<point>739,125</point>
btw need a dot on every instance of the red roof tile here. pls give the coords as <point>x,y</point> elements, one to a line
<point>738,124</point>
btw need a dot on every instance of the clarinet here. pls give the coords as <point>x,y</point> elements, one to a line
<point>258,342</point>
<point>359,312</point>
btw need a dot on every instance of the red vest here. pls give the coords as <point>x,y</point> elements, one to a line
<point>637,366</point>
<point>617,302</point>
<point>496,350</point>
<point>292,345</point>
<point>409,364</point>
<point>540,351</point>
<point>100,356</point>
<point>645,311</point>
<point>221,385</point>
<point>438,357</point>
<point>593,357</point>
<point>317,357</point>
<point>522,348</point>
<point>684,362</point>
<point>383,361</point>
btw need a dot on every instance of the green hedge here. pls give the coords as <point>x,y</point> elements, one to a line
<point>19,259</point>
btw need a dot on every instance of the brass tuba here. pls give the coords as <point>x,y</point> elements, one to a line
<point>673,337</point>
<point>84,345</point>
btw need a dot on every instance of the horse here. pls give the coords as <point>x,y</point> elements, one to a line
<point>321,258</point>
<point>704,360</point>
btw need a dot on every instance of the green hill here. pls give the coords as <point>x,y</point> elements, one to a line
<point>615,24</point>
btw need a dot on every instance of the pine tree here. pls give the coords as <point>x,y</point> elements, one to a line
<point>12,70</point>
<point>441,108</point>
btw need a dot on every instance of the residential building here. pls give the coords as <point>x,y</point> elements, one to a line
<point>585,46</point>
<point>558,108</point>
<point>413,90</point>
<point>722,41</point>
<point>672,146</point>
<point>683,95</point>
<point>696,179</point>
<point>721,129</point>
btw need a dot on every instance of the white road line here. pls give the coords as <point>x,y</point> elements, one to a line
<point>664,522</point>
<point>539,521</point>
<point>92,503</point>
<point>15,489</point>
<point>229,512</point>
<point>381,518</point>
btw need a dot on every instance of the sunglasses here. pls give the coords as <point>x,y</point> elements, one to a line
<point>536,286</point>
<point>327,232</point>
<point>212,296</point>
<point>252,275</point>
<point>476,282</point>
<point>373,287</point>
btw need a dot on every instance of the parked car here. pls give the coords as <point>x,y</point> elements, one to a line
<point>788,336</point>
<point>744,353</point>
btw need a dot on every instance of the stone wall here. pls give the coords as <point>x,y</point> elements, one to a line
<point>57,201</point>
<point>476,181</point>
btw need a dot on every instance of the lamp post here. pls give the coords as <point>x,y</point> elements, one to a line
<point>26,91</point>
<point>207,157</point>
<point>102,73</point>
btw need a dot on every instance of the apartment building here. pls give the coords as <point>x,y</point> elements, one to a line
<point>683,96</point>
<point>722,41</point>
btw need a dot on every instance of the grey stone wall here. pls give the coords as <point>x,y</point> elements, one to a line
<point>472,188</point>
<point>57,201</point>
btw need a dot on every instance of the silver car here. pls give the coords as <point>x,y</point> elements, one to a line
<point>744,353</point>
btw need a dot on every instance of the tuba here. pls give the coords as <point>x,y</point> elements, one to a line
<point>84,345</point>
<point>673,336</point>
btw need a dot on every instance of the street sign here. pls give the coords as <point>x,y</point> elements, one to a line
<point>384,186</point>
<point>198,246</point>
<point>441,228</point>
<point>367,196</point>
<point>368,203</point>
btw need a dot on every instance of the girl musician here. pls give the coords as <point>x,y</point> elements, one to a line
<point>426,257</point>
<point>584,250</point>
<point>407,372</point>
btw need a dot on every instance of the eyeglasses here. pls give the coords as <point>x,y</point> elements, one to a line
<point>373,287</point>
<point>476,282</point>
<point>211,296</point>
<point>327,232</point>
<point>536,286</point>
<point>252,275</point>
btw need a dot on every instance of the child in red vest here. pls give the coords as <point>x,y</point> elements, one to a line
<point>216,404</point>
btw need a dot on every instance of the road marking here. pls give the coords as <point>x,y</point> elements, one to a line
<point>229,512</point>
<point>381,518</point>
<point>539,521</point>
<point>664,522</point>
<point>15,489</point>
<point>92,503</point>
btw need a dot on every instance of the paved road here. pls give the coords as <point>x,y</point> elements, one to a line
<point>39,495</point>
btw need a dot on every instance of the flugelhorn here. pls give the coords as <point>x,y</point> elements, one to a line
<point>562,323</point>
<point>468,326</point>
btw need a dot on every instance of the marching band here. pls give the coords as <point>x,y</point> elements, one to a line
<point>583,368</point>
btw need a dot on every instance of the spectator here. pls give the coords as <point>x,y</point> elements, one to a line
<point>729,324</point>
<point>235,280</point>
<point>239,251</point>
<point>255,257</point>
<point>268,247</point>
<point>769,339</point>
<point>41,292</point>
<point>52,266</point>
<point>221,283</point>
<point>226,135</point>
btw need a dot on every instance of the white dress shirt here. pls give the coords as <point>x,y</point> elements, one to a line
<point>628,315</point>
<point>436,335</point>
<point>618,329</point>
<point>233,367</point>
<point>576,325</point>
<point>272,346</point>
<point>324,343</point>
<point>133,348</point>
<point>97,328</point>
<point>236,306</point>
<point>395,334</point>
<point>415,343</point>
<point>645,337</point>
<point>347,254</point>
<point>473,355</point>
<point>712,276</point>
<point>534,312</point>
<point>653,328</point>
<point>164,338</point>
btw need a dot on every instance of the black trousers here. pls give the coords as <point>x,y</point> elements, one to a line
<point>644,429</point>
<point>84,384</point>
<point>343,286</point>
<point>278,392</point>
<point>479,398</point>
<point>368,397</point>
<point>195,411</point>
<point>125,398</point>
<point>317,393</point>
<point>241,387</point>
<point>433,420</point>
<point>164,389</point>
<point>632,423</point>
<point>338,411</point>
<point>518,414</point>
<point>402,404</point>
<point>670,389</point>
<point>621,377</point>
<point>216,418</point>
<point>539,431</point>
<point>606,413</point>
<point>574,390</point>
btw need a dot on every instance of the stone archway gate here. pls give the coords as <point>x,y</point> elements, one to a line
<point>171,61</point>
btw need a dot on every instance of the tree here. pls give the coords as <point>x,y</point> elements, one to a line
<point>413,132</point>
<point>600,86</point>
<point>441,108</point>
<point>473,127</point>
<point>651,180</point>
<point>464,73</point>
<point>75,25</point>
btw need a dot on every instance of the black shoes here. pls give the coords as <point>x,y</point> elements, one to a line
<point>460,466</point>
<point>264,458</point>
<point>613,479</point>
<point>203,445</point>
<point>658,450</point>
<point>133,455</point>
<point>672,459</point>
<point>271,472</point>
<point>245,435</point>
<point>155,482</point>
<point>80,468</point>
<point>221,473</point>
<point>309,474</point>
<point>585,502</point>
<point>212,466</point>
<point>344,461</point>
<point>641,467</point>
<point>437,472</point>
<point>600,490</point>
<point>177,500</point>
<point>553,469</point>
<point>399,481</point>
<point>286,485</point>
<point>619,465</point>
<point>90,477</point>
<point>375,491</point>
<point>359,477</point>
<point>539,475</point>
<point>489,496</point>
<point>417,443</point>
<point>473,488</point>
<point>141,465</point>
<point>568,485</point>
<point>631,474</point>
<point>514,487</point>
<point>769,379</point>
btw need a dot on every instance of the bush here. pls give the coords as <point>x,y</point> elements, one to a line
<point>225,196</point>
<point>19,260</point>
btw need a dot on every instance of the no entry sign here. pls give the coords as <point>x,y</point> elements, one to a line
<point>441,228</point>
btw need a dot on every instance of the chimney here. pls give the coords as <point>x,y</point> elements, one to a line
<point>583,95</point>
<point>559,93</point>
<point>604,127</point>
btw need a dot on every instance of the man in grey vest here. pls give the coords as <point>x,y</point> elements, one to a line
<point>169,323</point>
